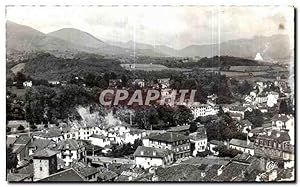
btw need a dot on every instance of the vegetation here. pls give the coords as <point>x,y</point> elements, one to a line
<point>225,152</point>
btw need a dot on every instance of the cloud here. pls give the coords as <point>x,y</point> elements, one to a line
<point>173,26</point>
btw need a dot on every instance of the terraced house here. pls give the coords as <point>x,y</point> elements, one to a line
<point>178,143</point>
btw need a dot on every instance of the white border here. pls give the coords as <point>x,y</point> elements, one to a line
<point>115,2</point>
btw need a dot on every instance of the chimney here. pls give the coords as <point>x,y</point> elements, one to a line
<point>269,132</point>
<point>248,141</point>
<point>154,153</point>
<point>278,134</point>
<point>203,174</point>
<point>220,170</point>
<point>154,178</point>
<point>67,146</point>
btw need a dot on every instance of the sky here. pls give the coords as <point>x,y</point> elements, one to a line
<point>177,26</point>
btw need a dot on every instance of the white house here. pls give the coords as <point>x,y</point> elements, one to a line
<point>272,99</point>
<point>213,144</point>
<point>99,140</point>
<point>242,145</point>
<point>147,157</point>
<point>199,139</point>
<point>70,150</point>
<point>27,84</point>
<point>284,122</point>
<point>200,110</point>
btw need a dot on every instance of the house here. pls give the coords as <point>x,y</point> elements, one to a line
<point>261,98</point>
<point>15,124</point>
<point>44,164</point>
<point>68,175</point>
<point>70,150</point>
<point>178,143</point>
<point>198,140</point>
<point>183,129</point>
<point>27,84</point>
<point>273,144</point>
<point>82,130</point>
<point>165,83</point>
<point>52,82</point>
<point>89,173</point>
<point>39,144</point>
<point>272,99</point>
<point>114,83</point>
<point>137,82</point>
<point>242,145</point>
<point>21,147</point>
<point>239,111</point>
<point>214,143</point>
<point>284,122</point>
<point>53,133</point>
<point>146,157</point>
<point>244,126</point>
<point>201,110</point>
<point>19,177</point>
<point>99,140</point>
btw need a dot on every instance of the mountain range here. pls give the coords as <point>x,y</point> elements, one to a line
<point>70,40</point>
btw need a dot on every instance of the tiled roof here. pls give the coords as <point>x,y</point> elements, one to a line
<point>73,144</point>
<point>246,122</point>
<point>18,148</point>
<point>44,153</point>
<point>10,140</point>
<point>169,137</point>
<point>231,172</point>
<point>17,177</point>
<point>280,136</point>
<point>98,136</point>
<point>49,133</point>
<point>106,174</point>
<point>179,173</point>
<point>142,151</point>
<point>69,175</point>
<point>40,143</point>
<point>216,142</point>
<point>241,143</point>
<point>198,135</point>
<point>179,128</point>
<point>23,140</point>
<point>281,117</point>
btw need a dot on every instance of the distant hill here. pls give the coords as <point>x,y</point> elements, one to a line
<point>68,41</point>
<point>271,48</point>
<point>48,67</point>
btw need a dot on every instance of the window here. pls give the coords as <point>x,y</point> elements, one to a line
<point>41,169</point>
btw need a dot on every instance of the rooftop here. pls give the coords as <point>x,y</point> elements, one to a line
<point>142,151</point>
<point>169,137</point>
<point>73,144</point>
<point>241,143</point>
<point>44,153</point>
<point>69,175</point>
<point>23,140</point>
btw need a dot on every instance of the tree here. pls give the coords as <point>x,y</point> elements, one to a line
<point>255,117</point>
<point>182,115</point>
<point>193,127</point>
<point>20,78</point>
<point>224,152</point>
<point>21,128</point>
<point>8,129</point>
<point>11,158</point>
<point>284,108</point>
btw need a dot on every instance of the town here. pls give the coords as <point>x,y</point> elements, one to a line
<point>250,140</point>
<point>145,94</point>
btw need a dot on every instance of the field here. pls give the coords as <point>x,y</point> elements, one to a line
<point>150,67</point>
